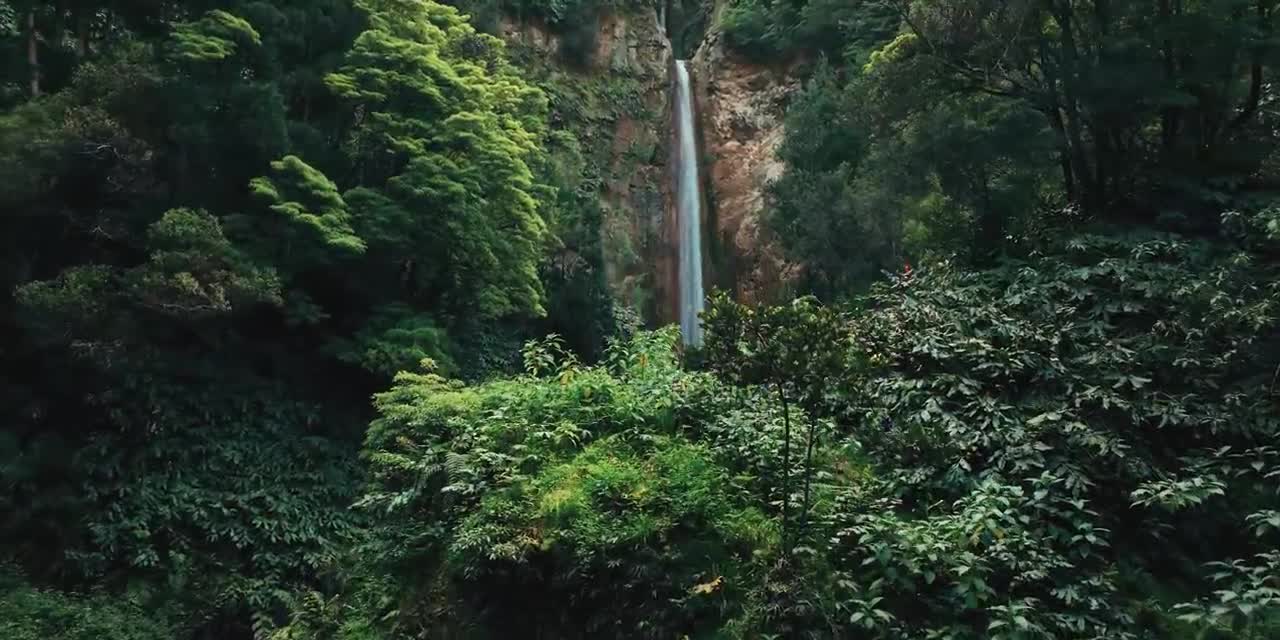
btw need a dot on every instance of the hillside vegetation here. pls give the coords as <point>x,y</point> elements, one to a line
<point>305,330</point>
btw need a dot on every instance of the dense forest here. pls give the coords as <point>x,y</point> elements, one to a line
<point>307,330</point>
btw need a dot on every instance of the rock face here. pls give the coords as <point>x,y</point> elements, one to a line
<point>630,43</point>
<point>639,232</point>
<point>742,107</point>
<point>740,117</point>
<point>634,44</point>
<point>622,123</point>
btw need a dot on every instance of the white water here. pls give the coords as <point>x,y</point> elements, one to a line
<point>688,211</point>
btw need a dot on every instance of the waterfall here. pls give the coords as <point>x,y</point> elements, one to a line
<point>688,210</point>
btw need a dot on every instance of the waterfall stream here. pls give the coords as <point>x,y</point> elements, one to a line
<point>688,210</point>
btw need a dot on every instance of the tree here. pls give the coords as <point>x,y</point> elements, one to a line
<point>207,271</point>
<point>317,226</point>
<point>794,348</point>
<point>446,195</point>
<point>1187,123</point>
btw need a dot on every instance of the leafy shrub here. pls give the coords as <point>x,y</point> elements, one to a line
<point>1075,447</point>
<point>563,500</point>
<point>28,613</point>
<point>226,516</point>
<point>1045,424</point>
<point>603,535</point>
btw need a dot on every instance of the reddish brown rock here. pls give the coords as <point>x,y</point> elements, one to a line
<point>742,106</point>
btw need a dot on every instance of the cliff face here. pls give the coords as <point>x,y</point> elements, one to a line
<point>633,44</point>
<point>615,101</point>
<point>742,107</point>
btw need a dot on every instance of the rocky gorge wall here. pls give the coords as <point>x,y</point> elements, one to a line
<point>742,107</point>
<point>618,104</point>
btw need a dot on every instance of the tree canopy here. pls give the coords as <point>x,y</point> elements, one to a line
<point>267,267</point>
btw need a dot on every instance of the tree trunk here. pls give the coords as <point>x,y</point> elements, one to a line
<point>1102,17</point>
<point>786,463</point>
<point>1053,111</point>
<point>1255,72</point>
<point>1169,115</point>
<point>808,473</point>
<point>33,52</point>
<point>1104,154</point>
<point>1255,95</point>
<point>84,20</point>
<point>1086,192</point>
<point>1068,176</point>
<point>991,223</point>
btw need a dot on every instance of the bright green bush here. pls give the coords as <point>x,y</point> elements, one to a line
<point>602,536</point>
<point>565,500</point>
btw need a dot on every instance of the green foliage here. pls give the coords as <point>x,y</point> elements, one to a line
<point>1079,387</point>
<point>27,613</point>
<point>307,199</point>
<point>562,501</point>
<point>193,268</point>
<point>192,271</point>
<point>212,38</point>
<point>193,317</point>
<point>233,501</point>
<point>1105,319</point>
<point>794,348</point>
<point>967,130</point>
<point>771,30</point>
<point>1004,454</point>
<point>597,518</point>
<point>883,170</point>
<point>1054,435</point>
<point>555,12</point>
<point>1004,561</point>
<point>397,339</point>
<point>1245,601</point>
<point>576,22</point>
<point>446,144</point>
